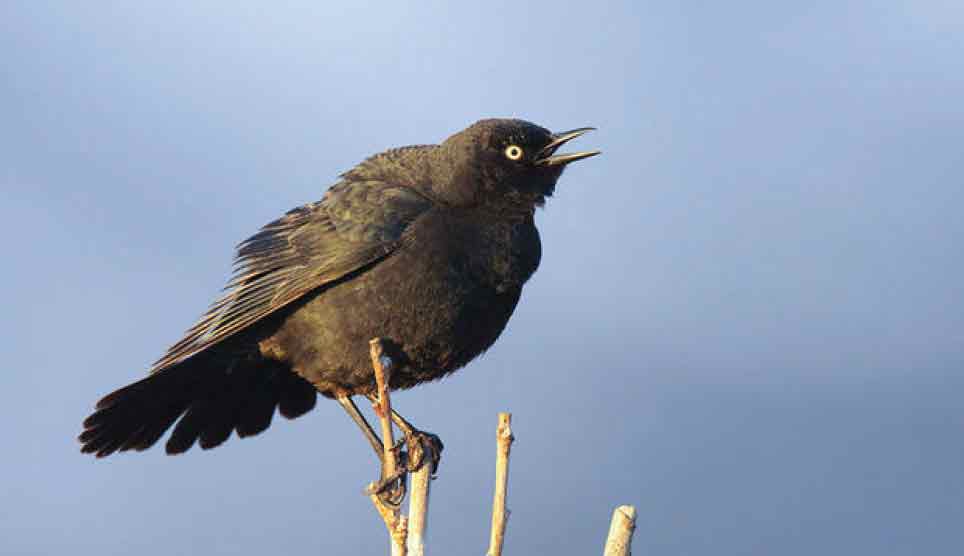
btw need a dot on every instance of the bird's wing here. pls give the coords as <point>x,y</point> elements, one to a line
<point>356,224</point>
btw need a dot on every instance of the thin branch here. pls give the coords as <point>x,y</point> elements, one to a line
<point>383,373</point>
<point>418,508</point>
<point>620,540</point>
<point>396,524</point>
<point>503,442</point>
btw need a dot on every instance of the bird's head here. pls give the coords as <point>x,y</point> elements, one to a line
<point>503,164</point>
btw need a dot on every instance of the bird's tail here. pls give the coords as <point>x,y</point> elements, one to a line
<point>210,397</point>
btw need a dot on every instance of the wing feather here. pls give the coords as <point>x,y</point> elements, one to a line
<point>356,224</point>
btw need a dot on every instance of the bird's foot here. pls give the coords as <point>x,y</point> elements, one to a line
<point>412,452</point>
<point>422,447</point>
<point>391,490</point>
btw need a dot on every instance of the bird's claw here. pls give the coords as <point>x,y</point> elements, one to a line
<point>411,453</point>
<point>390,490</point>
<point>422,447</point>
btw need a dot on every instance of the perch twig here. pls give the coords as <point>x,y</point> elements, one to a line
<point>620,540</point>
<point>503,442</point>
<point>418,508</point>
<point>396,524</point>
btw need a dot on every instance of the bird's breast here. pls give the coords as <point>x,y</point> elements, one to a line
<point>496,252</point>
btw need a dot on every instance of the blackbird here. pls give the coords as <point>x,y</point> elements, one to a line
<point>426,247</point>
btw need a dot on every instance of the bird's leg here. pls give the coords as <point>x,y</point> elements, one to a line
<point>418,442</point>
<point>349,405</point>
<point>391,497</point>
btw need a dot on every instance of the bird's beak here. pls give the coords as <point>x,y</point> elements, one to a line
<point>547,156</point>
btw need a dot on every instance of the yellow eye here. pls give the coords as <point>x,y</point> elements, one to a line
<point>513,152</point>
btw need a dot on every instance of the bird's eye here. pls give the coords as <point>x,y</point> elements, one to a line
<point>513,152</point>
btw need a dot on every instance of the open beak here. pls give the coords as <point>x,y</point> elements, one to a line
<point>547,156</point>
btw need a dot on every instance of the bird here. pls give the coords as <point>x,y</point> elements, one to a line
<point>426,247</point>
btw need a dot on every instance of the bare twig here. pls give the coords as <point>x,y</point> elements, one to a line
<point>418,508</point>
<point>383,373</point>
<point>503,439</point>
<point>396,524</point>
<point>620,540</point>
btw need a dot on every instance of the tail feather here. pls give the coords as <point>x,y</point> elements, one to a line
<point>222,417</point>
<point>294,401</point>
<point>188,429</point>
<point>257,413</point>
<point>207,399</point>
<point>152,432</point>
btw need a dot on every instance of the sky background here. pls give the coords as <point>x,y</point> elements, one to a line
<point>748,322</point>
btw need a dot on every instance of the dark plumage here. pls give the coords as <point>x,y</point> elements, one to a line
<point>427,247</point>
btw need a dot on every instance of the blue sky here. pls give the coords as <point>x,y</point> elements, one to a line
<point>748,321</point>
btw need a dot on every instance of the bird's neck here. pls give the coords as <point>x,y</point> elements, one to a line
<point>405,166</point>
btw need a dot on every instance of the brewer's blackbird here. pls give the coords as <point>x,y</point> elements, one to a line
<point>426,246</point>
